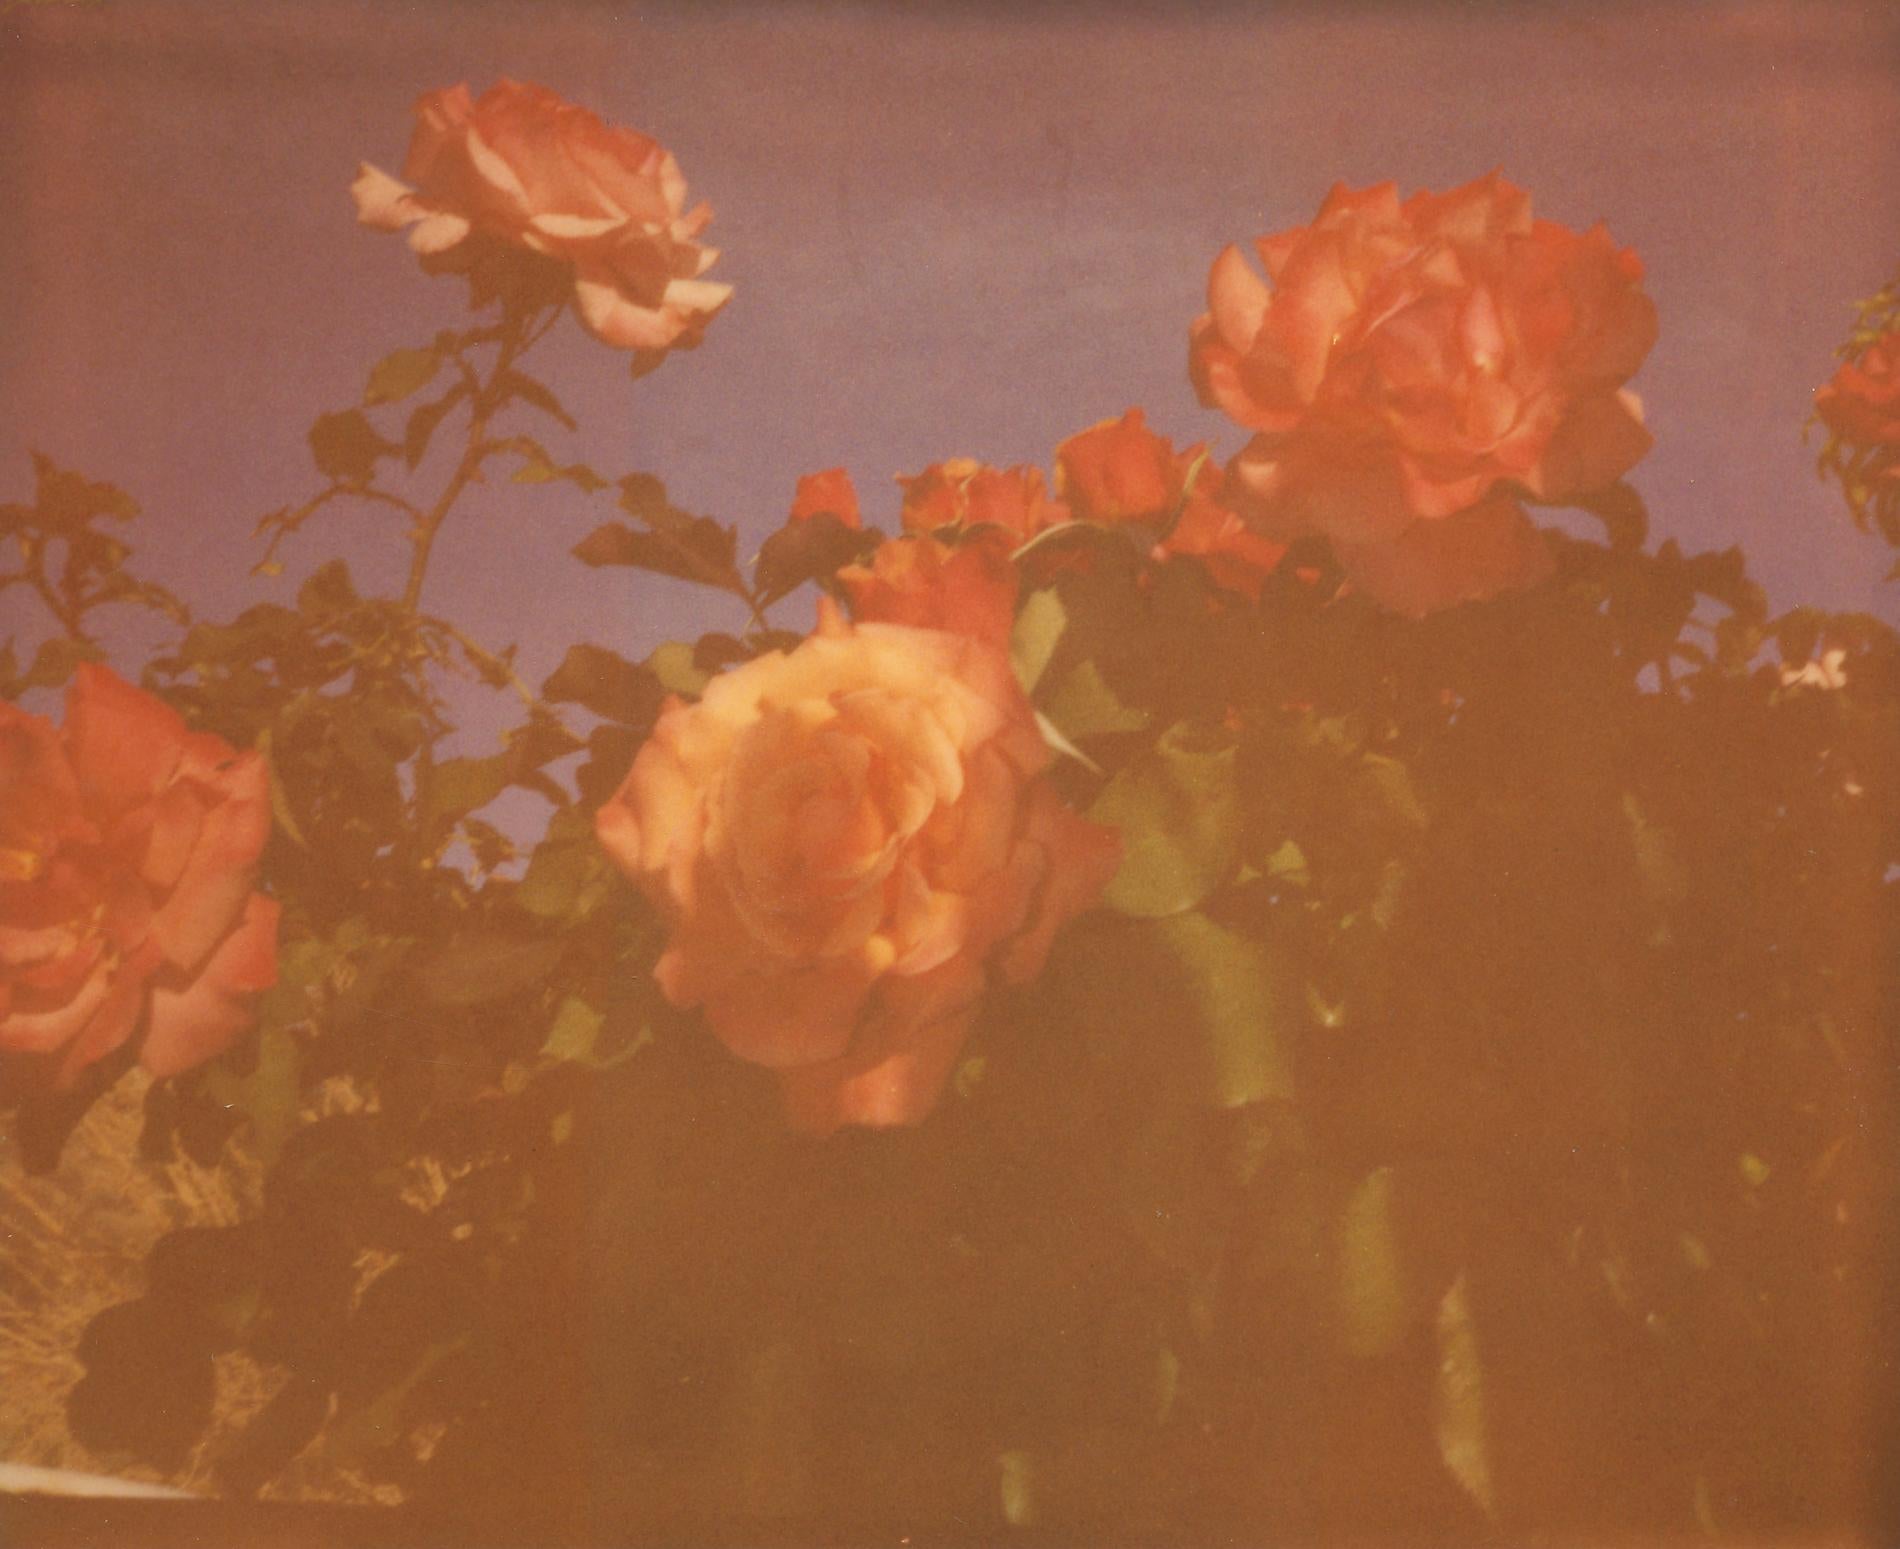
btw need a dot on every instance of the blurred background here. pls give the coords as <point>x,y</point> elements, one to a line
<point>953,229</point>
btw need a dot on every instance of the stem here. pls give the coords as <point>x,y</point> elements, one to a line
<point>515,342</point>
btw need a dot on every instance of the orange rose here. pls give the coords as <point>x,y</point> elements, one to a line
<point>1862,403</point>
<point>963,492</point>
<point>968,590</point>
<point>828,492</point>
<point>1121,471</point>
<point>522,167</point>
<point>128,854</point>
<point>849,841</point>
<point>1406,362</point>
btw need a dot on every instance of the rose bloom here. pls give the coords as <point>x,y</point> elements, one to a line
<point>963,492</point>
<point>521,166</point>
<point>849,842</point>
<point>128,856</point>
<point>1121,471</point>
<point>969,589</point>
<point>1426,361</point>
<point>828,492</point>
<point>1862,402</point>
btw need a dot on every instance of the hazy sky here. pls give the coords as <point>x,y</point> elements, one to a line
<point>951,229</point>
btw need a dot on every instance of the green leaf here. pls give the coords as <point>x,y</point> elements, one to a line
<point>1239,1006</point>
<point>400,373</point>
<point>1178,812</point>
<point>607,684</point>
<point>459,785</point>
<point>485,965</point>
<point>63,499</point>
<point>270,1095</point>
<point>1037,633</point>
<point>1083,705</point>
<point>423,422</point>
<point>56,660</point>
<point>575,1036</point>
<point>327,591</point>
<point>1374,1304</point>
<point>697,549</point>
<point>1624,516</point>
<point>1458,1418</point>
<point>346,446</point>
<point>675,664</point>
<point>811,550</point>
<point>279,798</point>
<point>564,880</point>
<point>518,384</point>
<point>575,1030</point>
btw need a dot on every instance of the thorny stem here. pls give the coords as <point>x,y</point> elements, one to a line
<point>516,340</point>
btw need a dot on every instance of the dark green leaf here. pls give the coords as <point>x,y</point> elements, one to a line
<point>64,499</point>
<point>607,684</point>
<point>698,549</point>
<point>346,446</point>
<point>56,660</point>
<point>811,550</point>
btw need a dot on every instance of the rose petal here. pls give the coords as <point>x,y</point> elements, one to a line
<point>124,744</point>
<point>217,878</point>
<point>902,1063</point>
<point>382,201</point>
<point>204,1016</point>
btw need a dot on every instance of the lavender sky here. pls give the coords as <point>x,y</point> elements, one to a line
<point>952,230</point>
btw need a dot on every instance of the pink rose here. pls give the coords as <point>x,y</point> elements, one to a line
<point>1426,362</point>
<point>128,857</point>
<point>849,842</point>
<point>522,167</point>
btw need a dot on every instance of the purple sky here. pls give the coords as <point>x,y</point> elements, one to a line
<point>952,230</point>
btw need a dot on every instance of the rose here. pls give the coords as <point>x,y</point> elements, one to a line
<point>961,492</point>
<point>128,855</point>
<point>827,492</point>
<point>970,589</point>
<point>521,167</point>
<point>1406,363</point>
<point>1119,471</point>
<point>849,842</point>
<point>1862,402</point>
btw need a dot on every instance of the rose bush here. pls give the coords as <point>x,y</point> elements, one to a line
<point>522,167</point>
<point>1426,361</point>
<point>129,848</point>
<point>848,841</point>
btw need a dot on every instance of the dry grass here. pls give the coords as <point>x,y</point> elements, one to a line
<point>73,1243</point>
